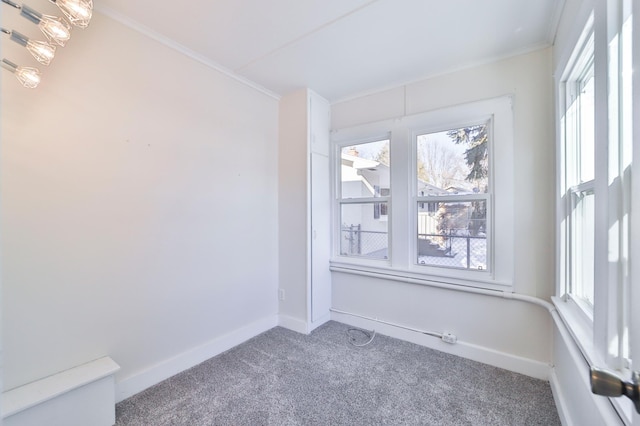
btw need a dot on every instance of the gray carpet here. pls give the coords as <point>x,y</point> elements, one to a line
<point>284,378</point>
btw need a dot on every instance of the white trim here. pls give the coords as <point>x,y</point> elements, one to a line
<point>293,324</point>
<point>554,22</point>
<point>140,381</point>
<point>603,405</point>
<point>396,274</point>
<point>172,44</point>
<point>402,261</point>
<point>35,393</point>
<point>320,321</point>
<point>521,365</point>
<point>301,326</point>
<point>560,399</point>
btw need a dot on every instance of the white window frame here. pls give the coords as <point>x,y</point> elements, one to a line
<point>601,331</point>
<point>487,197</point>
<point>341,201</point>
<point>572,189</point>
<point>401,132</point>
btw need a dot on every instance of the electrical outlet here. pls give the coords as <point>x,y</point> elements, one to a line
<point>281,294</point>
<point>449,338</point>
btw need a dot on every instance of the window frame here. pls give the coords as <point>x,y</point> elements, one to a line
<point>401,132</point>
<point>340,201</point>
<point>600,331</point>
<point>572,187</point>
<point>487,197</point>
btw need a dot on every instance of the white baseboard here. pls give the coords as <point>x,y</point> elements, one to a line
<point>560,400</point>
<point>138,382</point>
<point>322,320</point>
<point>293,324</point>
<point>526,366</point>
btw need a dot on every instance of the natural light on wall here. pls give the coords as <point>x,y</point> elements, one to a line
<point>57,30</point>
<point>596,119</point>
<point>619,181</point>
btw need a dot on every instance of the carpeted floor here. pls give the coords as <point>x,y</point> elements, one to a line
<point>284,378</point>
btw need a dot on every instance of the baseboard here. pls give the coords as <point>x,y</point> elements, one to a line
<point>517,364</point>
<point>138,382</point>
<point>320,321</point>
<point>559,399</point>
<point>293,324</point>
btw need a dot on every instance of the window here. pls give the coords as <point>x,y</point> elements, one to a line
<point>364,199</point>
<point>422,200</point>
<point>578,171</point>
<point>453,193</point>
<point>595,106</point>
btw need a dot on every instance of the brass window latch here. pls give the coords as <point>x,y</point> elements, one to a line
<point>607,383</point>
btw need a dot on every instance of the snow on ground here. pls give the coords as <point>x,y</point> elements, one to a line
<point>477,249</point>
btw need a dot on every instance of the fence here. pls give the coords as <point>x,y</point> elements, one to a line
<point>356,242</point>
<point>451,249</point>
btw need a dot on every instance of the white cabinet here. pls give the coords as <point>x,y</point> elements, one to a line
<point>304,211</point>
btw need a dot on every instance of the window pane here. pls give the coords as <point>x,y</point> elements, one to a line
<point>586,138</point>
<point>364,232</point>
<point>583,241</point>
<point>365,170</point>
<point>452,234</point>
<point>454,161</point>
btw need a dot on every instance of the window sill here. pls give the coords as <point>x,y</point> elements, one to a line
<point>482,281</point>
<point>580,328</point>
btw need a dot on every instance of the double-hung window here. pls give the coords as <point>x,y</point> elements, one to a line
<point>578,123</point>
<point>596,151</point>
<point>421,196</point>
<point>364,194</point>
<point>453,197</point>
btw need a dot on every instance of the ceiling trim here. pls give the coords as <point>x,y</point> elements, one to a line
<point>166,41</point>
<point>400,84</point>
<point>555,21</point>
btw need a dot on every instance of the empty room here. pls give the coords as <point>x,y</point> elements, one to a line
<point>353,212</point>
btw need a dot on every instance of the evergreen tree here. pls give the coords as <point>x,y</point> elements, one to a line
<point>477,158</point>
<point>476,155</point>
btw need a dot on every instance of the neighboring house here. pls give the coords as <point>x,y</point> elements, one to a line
<point>364,226</point>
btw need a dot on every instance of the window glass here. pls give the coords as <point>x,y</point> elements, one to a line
<point>582,246</point>
<point>361,233</point>
<point>454,161</point>
<point>365,176</point>
<point>453,234</point>
<point>453,165</point>
<point>365,170</point>
<point>579,171</point>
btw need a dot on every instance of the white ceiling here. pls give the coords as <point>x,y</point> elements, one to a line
<point>343,47</point>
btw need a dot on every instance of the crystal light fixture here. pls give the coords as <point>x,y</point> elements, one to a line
<point>43,52</point>
<point>28,77</point>
<point>77,11</point>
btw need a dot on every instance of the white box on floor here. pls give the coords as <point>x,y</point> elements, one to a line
<point>81,396</point>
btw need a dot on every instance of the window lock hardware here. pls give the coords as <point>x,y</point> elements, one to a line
<point>607,383</point>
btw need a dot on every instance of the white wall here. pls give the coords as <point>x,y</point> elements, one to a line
<point>294,199</point>
<point>139,210</point>
<point>485,326</point>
